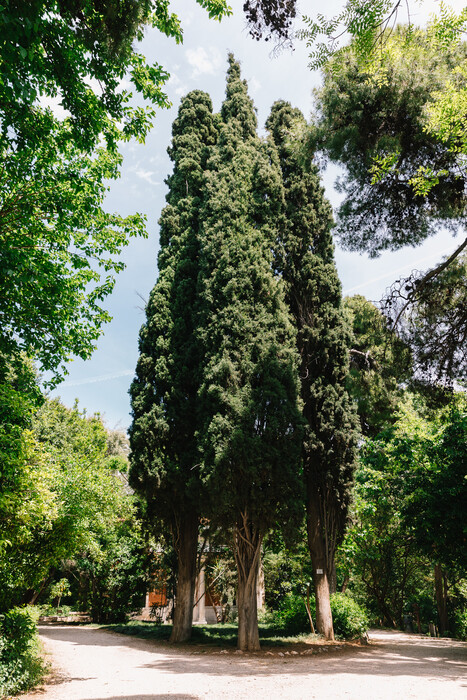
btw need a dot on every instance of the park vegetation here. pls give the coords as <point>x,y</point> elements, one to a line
<point>318,442</point>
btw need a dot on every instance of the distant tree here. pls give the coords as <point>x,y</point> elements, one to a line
<point>305,263</point>
<point>249,426</point>
<point>110,582</point>
<point>410,506</point>
<point>380,562</point>
<point>164,452</point>
<point>429,458</point>
<point>379,364</point>
<point>63,497</point>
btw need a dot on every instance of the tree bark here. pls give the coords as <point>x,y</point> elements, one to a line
<point>332,577</point>
<point>247,555</point>
<point>441,598</point>
<point>186,545</point>
<point>317,547</point>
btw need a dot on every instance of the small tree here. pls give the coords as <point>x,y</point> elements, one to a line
<point>59,590</point>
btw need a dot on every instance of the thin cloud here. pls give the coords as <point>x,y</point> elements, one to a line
<point>146,175</point>
<point>392,273</point>
<point>204,63</point>
<point>100,378</point>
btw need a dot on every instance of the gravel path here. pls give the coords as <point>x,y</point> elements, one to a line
<point>92,664</point>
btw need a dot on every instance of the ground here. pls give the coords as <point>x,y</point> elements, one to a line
<point>91,664</point>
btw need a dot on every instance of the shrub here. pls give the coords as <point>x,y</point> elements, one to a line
<point>20,664</point>
<point>292,613</point>
<point>349,618</point>
<point>460,623</point>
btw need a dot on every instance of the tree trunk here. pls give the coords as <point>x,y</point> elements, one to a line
<point>247,555</point>
<point>332,577</point>
<point>36,594</point>
<point>441,593</point>
<point>186,546</point>
<point>317,549</point>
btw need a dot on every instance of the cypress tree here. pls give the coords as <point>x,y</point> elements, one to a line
<point>305,262</point>
<point>163,393</point>
<point>250,433</point>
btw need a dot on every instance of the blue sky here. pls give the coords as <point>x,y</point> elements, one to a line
<point>101,384</point>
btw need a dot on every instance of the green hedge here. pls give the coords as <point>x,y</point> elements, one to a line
<point>21,666</point>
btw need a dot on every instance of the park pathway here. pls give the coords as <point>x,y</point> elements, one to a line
<point>91,664</point>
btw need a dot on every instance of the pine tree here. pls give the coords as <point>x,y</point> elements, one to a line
<point>163,393</point>
<point>305,262</point>
<point>250,422</point>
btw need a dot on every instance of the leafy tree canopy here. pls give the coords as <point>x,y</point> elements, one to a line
<point>369,116</point>
<point>58,248</point>
<point>402,183</point>
<point>59,493</point>
<point>423,457</point>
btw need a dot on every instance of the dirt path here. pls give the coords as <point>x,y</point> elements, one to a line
<point>95,665</point>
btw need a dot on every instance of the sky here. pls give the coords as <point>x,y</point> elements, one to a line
<point>101,384</point>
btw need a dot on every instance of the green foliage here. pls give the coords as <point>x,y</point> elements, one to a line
<point>20,664</point>
<point>435,325</point>
<point>378,557</point>
<point>305,263</point>
<point>378,110</point>
<point>59,245</point>
<point>53,230</point>
<point>250,424</point>
<point>380,363</point>
<point>59,590</point>
<point>292,615</point>
<point>63,498</point>
<point>164,391</point>
<point>27,500</point>
<point>429,461</point>
<point>460,623</point>
<point>113,581</point>
<point>404,177</point>
<point>364,21</point>
<point>408,512</point>
<point>286,566</point>
<point>350,619</point>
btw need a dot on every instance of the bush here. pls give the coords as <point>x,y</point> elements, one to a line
<point>20,664</point>
<point>349,618</point>
<point>292,613</point>
<point>460,623</point>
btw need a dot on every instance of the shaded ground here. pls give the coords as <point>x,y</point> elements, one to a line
<point>94,664</point>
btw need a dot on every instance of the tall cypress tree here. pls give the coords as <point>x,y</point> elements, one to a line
<point>305,262</point>
<point>163,393</point>
<point>250,422</point>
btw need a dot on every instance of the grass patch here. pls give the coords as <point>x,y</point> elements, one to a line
<point>216,635</point>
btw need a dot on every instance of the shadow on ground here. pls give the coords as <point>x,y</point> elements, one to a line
<point>389,654</point>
